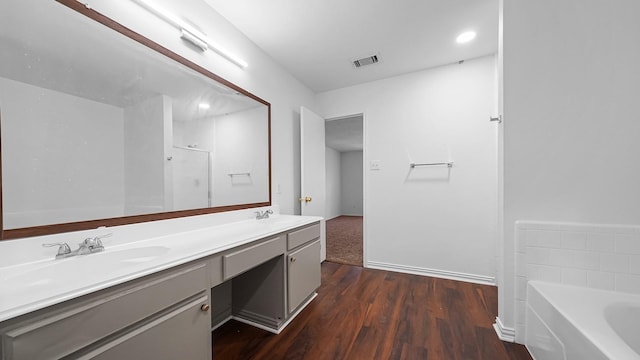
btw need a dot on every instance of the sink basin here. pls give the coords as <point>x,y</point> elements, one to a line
<point>130,256</point>
<point>280,220</point>
<point>79,268</point>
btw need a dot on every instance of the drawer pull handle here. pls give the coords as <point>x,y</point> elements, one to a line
<point>293,259</point>
<point>204,307</point>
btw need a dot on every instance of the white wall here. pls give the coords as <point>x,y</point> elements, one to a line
<point>571,124</point>
<point>65,174</point>
<point>351,183</point>
<point>429,220</point>
<point>263,77</point>
<point>333,189</point>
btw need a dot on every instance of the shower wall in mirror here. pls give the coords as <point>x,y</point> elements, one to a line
<point>98,128</point>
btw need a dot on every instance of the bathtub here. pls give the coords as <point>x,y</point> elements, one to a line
<point>569,322</point>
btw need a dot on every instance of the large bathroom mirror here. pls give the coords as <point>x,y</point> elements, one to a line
<point>101,127</point>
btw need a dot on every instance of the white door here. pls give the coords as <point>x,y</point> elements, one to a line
<point>312,169</point>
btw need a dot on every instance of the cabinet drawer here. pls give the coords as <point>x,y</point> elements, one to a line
<point>215,271</point>
<point>302,236</point>
<point>240,261</point>
<point>77,324</point>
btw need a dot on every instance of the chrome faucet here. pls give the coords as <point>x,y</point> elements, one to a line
<point>87,246</point>
<point>63,251</point>
<point>263,214</point>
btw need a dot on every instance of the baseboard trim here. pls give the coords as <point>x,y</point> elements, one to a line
<point>451,275</point>
<point>222,322</point>
<point>504,333</point>
<point>283,325</point>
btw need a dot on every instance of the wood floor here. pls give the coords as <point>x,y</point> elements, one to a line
<point>373,314</point>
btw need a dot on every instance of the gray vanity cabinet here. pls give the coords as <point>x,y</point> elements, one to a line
<point>160,314</point>
<point>303,274</point>
<point>303,265</point>
<point>267,281</point>
<point>169,314</point>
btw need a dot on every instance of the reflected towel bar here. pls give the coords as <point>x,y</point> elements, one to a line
<point>239,174</point>
<point>449,164</point>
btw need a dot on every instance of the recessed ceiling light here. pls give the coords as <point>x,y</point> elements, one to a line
<point>203,106</point>
<point>466,37</point>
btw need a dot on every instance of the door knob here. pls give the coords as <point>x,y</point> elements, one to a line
<point>306,199</point>
<point>204,307</point>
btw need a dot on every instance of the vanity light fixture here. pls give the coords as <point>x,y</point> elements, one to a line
<point>465,37</point>
<point>189,33</point>
<point>202,44</point>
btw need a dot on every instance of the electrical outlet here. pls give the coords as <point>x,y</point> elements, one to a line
<point>374,165</point>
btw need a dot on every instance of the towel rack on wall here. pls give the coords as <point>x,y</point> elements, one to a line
<point>239,174</point>
<point>448,164</point>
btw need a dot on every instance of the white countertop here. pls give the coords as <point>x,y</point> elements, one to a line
<point>37,284</point>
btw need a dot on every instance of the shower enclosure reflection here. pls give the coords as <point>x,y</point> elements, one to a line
<point>233,149</point>
<point>191,178</point>
<point>117,129</point>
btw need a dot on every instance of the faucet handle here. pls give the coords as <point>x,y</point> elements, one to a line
<point>93,244</point>
<point>62,250</point>
<point>103,236</point>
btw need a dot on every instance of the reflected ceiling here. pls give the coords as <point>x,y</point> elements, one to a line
<point>101,71</point>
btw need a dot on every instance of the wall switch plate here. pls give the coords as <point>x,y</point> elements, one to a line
<point>374,165</point>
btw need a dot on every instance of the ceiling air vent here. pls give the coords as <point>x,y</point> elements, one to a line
<point>366,61</point>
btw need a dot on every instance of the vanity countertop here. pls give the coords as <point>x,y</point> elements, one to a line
<point>35,285</point>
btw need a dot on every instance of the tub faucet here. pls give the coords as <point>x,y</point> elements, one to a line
<point>263,214</point>
<point>87,246</point>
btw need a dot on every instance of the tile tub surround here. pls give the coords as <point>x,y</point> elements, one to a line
<point>187,240</point>
<point>575,322</point>
<point>605,257</point>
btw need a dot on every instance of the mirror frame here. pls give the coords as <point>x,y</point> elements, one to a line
<point>6,234</point>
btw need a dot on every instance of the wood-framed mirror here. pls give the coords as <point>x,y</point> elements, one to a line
<point>101,126</point>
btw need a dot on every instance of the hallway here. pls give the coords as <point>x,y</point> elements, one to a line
<point>344,240</point>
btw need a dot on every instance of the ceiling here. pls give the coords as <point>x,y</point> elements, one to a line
<point>344,135</point>
<point>317,40</point>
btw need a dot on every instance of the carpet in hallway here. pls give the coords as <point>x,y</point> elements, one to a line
<point>344,240</point>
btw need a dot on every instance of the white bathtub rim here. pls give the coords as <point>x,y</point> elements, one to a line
<point>585,320</point>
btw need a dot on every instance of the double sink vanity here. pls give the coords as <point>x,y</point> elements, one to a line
<point>159,297</point>
<point>171,157</point>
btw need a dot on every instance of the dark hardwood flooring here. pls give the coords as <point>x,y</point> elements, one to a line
<point>373,314</point>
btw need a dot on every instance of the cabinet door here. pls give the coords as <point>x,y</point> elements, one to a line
<point>181,333</point>
<point>303,274</point>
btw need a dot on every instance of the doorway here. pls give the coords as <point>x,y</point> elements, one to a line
<point>344,160</point>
